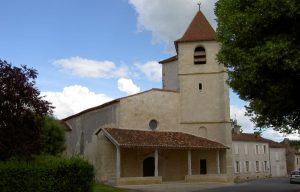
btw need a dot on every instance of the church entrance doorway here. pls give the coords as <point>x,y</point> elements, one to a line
<point>148,167</point>
<point>203,169</point>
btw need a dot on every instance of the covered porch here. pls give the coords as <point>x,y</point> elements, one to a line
<point>152,157</point>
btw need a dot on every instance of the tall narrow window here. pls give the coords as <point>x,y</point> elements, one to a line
<point>200,86</point>
<point>265,149</point>
<point>237,167</point>
<point>199,56</point>
<point>257,166</point>
<point>265,166</point>
<point>247,166</point>
<point>256,149</point>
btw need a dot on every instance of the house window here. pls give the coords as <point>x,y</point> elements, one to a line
<point>265,149</point>
<point>199,56</point>
<point>297,161</point>
<point>247,166</point>
<point>236,149</point>
<point>246,149</point>
<point>257,166</point>
<point>265,166</point>
<point>237,167</point>
<point>256,149</point>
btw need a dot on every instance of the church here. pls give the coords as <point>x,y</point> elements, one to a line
<point>181,132</point>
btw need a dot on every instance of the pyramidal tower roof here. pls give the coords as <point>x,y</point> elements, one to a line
<point>198,30</point>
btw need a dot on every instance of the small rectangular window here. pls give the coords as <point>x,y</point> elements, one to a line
<point>200,86</point>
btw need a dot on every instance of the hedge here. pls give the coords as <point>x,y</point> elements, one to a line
<point>46,174</point>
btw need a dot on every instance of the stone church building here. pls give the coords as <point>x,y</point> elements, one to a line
<point>179,133</point>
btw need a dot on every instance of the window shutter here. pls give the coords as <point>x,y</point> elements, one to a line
<point>236,149</point>
<point>234,164</point>
<point>246,149</point>
<point>250,167</point>
<point>240,164</point>
<point>245,167</point>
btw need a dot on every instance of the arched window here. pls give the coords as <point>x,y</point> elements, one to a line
<point>199,56</point>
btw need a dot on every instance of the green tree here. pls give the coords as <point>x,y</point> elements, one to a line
<point>53,136</point>
<point>22,112</point>
<point>260,45</point>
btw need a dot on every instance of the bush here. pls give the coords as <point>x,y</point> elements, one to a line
<point>46,174</point>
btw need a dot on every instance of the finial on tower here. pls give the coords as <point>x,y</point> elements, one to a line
<point>199,4</point>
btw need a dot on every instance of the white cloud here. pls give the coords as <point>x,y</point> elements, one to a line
<point>168,19</point>
<point>91,68</point>
<point>239,114</point>
<point>248,126</point>
<point>74,99</point>
<point>127,86</point>
<point>151,69</point>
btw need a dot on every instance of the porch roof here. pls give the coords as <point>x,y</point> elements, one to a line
<point>128,138</point>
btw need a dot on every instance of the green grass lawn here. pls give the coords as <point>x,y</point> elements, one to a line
<point>106,188</point>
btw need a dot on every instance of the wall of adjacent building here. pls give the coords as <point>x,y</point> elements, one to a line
<point>278,162</point>
<point>254,154</point>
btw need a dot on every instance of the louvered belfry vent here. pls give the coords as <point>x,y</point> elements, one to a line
<point>199,56</point>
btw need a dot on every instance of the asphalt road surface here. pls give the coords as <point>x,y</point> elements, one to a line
<point>265,185</point>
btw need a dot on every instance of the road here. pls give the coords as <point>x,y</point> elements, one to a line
<point>264,185</point>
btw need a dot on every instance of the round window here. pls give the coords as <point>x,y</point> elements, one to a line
<point>153,124</point>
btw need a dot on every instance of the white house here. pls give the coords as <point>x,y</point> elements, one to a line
<point>255,157</point>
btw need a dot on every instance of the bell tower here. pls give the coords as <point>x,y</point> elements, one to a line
<point>202,80</point>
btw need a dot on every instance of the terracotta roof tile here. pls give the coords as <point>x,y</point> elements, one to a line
<point>169,140</point>
<point>255,138</point>
<point>198,30</point>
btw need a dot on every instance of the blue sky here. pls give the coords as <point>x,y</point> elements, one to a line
<point>89,52</point>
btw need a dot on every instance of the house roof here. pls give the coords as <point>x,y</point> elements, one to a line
<point>128,138</point>
<point>198,30</point>
<point>255,138</point>
<point>168,60</point>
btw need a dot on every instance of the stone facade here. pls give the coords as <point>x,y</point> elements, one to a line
<point>255,157</point>
<point>251,160</point>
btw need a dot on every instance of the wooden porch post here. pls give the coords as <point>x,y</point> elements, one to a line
<point>156,163</point>
<point>218,162</point>
<point>118,162</point>
<point>189,162</point>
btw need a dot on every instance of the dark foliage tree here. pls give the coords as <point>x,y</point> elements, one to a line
<point>260,45</point>
<point>53,136</point>
<point>22,111</point>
